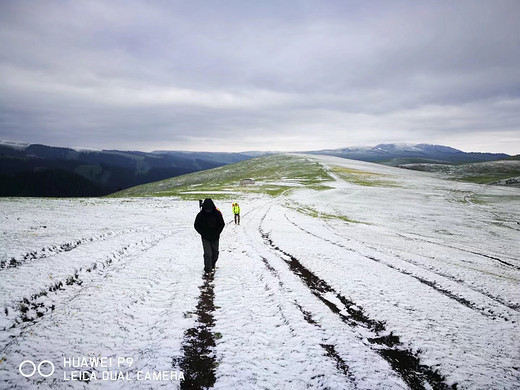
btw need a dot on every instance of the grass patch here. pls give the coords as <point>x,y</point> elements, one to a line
<point>468,198</point>
<point>306,210</point>
<point>362,178</point>
<point>484,179</point>
<point>352,171</point>
<point>273,176</point>
<point>476,200</point>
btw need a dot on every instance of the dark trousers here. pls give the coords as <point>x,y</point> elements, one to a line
<point>237,219</point>
<point>210,253</point>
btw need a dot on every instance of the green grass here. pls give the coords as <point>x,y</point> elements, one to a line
<point>475,199</point>
<point>487,178</point>
<point>273,175</point>
<point>306,210</point>
<point>479,173</point>
<point>362,178</point>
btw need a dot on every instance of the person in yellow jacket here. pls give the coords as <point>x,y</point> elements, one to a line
<point>236,213</point>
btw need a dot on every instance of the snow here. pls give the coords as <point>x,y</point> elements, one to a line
<point>85,149</point>
<point>297,301</point>
<point>210,192</point>
<point>14,144</point>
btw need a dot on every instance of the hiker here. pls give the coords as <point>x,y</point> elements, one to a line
<point>209,223</point>
<point>236,213</point>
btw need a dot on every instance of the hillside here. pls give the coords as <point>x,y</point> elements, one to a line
<point>342,275</point>
<point>272,175</point>
<point>40,170</point>
<point>506,172</point>
<point>275,174</point>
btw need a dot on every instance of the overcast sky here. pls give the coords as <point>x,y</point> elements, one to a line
<point>260,75</point>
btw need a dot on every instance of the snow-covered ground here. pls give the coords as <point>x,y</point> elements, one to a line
<point>414,284</point>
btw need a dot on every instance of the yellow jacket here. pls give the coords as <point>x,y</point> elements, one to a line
<point>236,208</point>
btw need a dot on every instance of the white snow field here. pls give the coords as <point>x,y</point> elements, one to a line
<point>387,279</point>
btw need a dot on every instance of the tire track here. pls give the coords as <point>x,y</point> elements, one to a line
<point>300,334</point>
<point>32,308</point>
<point>403,361</point>
<point>513,306</point>
<point>329,349</point>
<point>198,362</point>
<point>53,250</point>
<point>131,309</point>
<point>499,218</point>
<point>461,249</point>
<point>450,294</point>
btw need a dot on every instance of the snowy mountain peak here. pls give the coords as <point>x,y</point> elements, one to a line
<point>405,147</point>
<point>395,153</point>
<point>438,148</point>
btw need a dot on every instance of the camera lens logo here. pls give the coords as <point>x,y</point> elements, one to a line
<point>27,368</point>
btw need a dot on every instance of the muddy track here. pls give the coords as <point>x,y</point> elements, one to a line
<point>198,362</point>
<point>462,250</point>
<point>432,284</point>
<point>50,251</point>
<point>513,306</point>
<point>329,349</point>
<point>403,361</point>
<point>32,308</point>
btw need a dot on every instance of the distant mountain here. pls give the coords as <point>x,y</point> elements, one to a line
<point>398,154</point>
<point>503,172</point>
<point>40,170</point>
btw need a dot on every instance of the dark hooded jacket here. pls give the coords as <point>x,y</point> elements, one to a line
<point>209,223</point>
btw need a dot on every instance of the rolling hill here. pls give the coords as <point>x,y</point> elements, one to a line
<point>40,170</point>
<point>275,174</point>
<point>272,174</point>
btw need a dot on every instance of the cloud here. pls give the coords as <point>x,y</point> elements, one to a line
<point>260,75</point>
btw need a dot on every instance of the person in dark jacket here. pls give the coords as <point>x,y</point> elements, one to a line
<point>209,223</point>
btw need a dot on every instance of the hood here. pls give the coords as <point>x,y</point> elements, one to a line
<point>208,205</point>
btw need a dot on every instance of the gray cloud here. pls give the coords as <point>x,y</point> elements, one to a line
<point>260,75</point>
